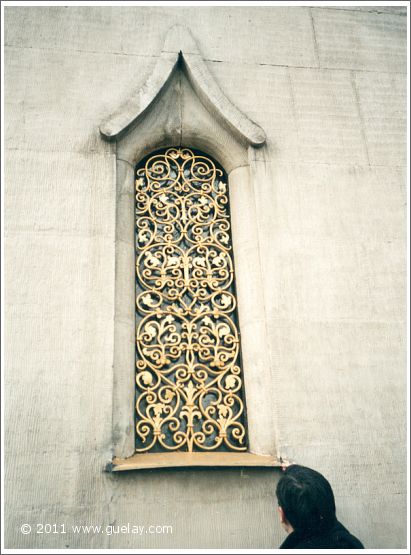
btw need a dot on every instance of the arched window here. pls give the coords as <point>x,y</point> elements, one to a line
<point>178,372</point>
<point>189,386</point>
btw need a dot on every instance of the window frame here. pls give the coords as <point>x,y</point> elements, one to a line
<point>255,355</point>
<point>181,104</point>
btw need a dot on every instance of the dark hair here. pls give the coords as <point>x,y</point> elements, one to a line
<point>306,498</point>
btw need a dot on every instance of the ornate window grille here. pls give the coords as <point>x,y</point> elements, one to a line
<point>189,386</point>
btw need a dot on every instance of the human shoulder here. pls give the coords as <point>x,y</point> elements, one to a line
<point>344,538</point>
<point>338,537</point>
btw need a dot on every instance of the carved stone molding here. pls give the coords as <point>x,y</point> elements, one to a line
<point>181,50</point>
<point>182,105</point>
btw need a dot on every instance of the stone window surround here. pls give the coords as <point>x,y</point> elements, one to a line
<point>182,105</point>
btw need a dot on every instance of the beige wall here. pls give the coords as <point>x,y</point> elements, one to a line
<point>329,88</point>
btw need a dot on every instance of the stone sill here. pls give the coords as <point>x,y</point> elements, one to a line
<point>198,459</point>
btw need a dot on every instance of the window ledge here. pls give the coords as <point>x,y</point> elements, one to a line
<point>198,459</point>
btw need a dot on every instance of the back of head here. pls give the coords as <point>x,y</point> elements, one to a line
<point>307,499</point>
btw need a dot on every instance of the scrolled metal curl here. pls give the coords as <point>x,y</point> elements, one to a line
<point>189,389</point>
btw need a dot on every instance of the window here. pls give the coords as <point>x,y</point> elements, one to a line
<point>189,386</point>
<point>181,385</point>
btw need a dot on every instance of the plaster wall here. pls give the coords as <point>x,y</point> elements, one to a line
<point>329,88</point>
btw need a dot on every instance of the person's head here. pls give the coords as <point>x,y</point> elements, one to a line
<point>305,500</point>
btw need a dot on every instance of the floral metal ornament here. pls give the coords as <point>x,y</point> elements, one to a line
<point>189,388</point>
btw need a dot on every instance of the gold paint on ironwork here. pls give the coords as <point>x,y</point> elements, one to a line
<point>189,385</point>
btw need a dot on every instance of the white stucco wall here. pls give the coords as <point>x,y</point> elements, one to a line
<point>329,88</point>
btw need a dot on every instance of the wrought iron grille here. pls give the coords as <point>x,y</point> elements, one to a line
<point>189,387</point>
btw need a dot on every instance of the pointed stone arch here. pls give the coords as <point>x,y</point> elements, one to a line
<point>182,105</point>
<point>180,52</point>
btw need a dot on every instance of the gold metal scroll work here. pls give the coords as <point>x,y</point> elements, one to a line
<point>189,393</point>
